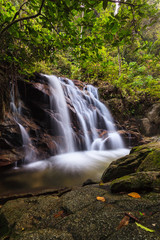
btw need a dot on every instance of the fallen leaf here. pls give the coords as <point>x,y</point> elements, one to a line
<point>59,214</point>
<point>134,195</point>
<point>101,183</point>
<point>129,214</point>
<point>102,199</point>
<point>123,222</point>
<point>145,228</point>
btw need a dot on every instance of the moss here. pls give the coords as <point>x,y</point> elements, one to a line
<point>151,162</point>
<point>4,227</point>
<point>143,181</point>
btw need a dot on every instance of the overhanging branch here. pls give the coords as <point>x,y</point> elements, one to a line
<point>23,18</point>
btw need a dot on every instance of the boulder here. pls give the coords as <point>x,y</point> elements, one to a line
<point>150,124</point>
<point>78,214</point>
<point>140,170</point>
<point>141,181</point>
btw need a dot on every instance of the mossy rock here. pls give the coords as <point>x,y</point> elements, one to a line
<point>124,166</point>
<point>142,158</point>
<point>142,181</point>
<point>151,162</point>
<point>149,147</point>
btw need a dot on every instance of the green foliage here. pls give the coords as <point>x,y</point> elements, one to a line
<point>85,40</point>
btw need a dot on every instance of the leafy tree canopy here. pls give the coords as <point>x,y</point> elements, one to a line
<point>84,39</point>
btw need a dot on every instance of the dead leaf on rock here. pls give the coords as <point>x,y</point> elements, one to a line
<point>59,214</point>
<point>102,199</point>
<point>134,195</point>
<point>123,222</point>
<point>129,214</point>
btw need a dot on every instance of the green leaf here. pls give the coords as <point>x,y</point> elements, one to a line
<point>145,228</point>
<point>67,3</point>
<point>105,4</point>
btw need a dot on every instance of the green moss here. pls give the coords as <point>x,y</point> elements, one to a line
<point>151,162</point>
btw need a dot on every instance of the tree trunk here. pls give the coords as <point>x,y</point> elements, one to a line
<point>119,61</point>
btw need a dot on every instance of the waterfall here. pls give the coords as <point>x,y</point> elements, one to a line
<point>93,118</point>
<point>30,154</point>
<point>57,100</point>
<point>84,135</point>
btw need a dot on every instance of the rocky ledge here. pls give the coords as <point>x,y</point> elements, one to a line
<point>78,214</point>
<point>139,171</point>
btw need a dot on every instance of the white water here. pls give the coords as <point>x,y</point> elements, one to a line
<point>83,161</point>
<point>30,154</point>
<point>74,163</point>
<point>57,98</point>
<point>92,115</point>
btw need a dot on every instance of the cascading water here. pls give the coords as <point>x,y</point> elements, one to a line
<point>57,100</point>
<point>83,132</point>
<point>30,154</point>
<point>90,113</point>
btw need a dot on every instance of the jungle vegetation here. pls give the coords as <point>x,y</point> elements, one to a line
<point>85,40</point>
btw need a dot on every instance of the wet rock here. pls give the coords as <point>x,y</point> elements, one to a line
<point>144,157</point>
<point>42,234</point>
<point>150,125</point>
<point>139,171</point>
<point>88,182</point>
<point>142,181</point>
<point>79,215</point>
<point>130,138</point>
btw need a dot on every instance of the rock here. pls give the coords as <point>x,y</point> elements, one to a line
<point>123,166</point>
<point>42,234</point>
<point>130,138</point>
<point>141,158</point>
<point>138,171</point>
<point>79,215</point>
<point>88,182</point>
<point>150,125</point>
<point>146,126</point>
<point>142,181</point>
<point>151,162</point>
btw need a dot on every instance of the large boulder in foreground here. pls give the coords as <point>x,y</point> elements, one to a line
<point>78,215</point>
<point>140,170</point>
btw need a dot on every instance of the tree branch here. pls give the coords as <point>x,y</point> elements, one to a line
<point>17,13</point>
<point>23,18</point>
<point>120,2</point>
<point>50,24</point>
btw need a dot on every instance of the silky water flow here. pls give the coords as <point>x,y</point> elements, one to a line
<point>86,149</point>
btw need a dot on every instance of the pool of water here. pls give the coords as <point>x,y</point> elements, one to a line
<point>65,170</point>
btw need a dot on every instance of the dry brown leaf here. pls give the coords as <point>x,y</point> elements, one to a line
<point>59,214</point>
<point>102,199</point>
<point>134,195</point>
<point>129,214</point>
<point>123,222</point>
